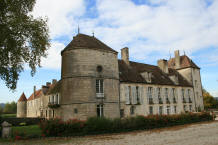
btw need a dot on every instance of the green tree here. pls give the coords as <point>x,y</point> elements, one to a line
<point>10,108</point>
<point>23,39</point>
<point>209,101</point>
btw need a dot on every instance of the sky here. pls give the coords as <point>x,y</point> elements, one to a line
<point>152,29</point>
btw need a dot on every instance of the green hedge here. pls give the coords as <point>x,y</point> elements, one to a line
<point>95,125</point>
<point>17,121</point>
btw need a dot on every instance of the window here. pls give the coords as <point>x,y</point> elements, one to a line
<point>100,112</point>
<point>137,94</point>
<point>121,113</point>
<point>99,88</point>
<point>168,110</point>
<point>150,95</point>
<point>75,110</point>
<point>150,110</point>
<point>53,113</point>
<point>158,92</point>
<point>132,110</point>
<point>184,107</point>
<point>183,95</point>
<point>190,108</point>
<point>174,95</point>
<point>130,94</point>
<point>160,110</point>
<point>175,110</point>
<point>166,92</point>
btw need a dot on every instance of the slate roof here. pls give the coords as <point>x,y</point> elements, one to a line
<point>85,41</point>
<point>55,88</point>
<point>132,74</point>
<point>22,98</point>
<point>185,62</point>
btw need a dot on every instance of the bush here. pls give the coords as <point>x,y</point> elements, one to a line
<point>96,125</point>
<point>17,121</point>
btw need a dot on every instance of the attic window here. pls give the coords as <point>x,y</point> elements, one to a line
<point>147,76</point>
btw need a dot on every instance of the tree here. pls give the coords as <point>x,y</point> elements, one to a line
<point>10,108</point>
<point>209,101</point>
<point>23,39</point>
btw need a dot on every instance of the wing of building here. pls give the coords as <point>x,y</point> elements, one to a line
<point>94,82</point>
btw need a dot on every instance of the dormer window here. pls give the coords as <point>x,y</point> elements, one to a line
<point>147,76</point>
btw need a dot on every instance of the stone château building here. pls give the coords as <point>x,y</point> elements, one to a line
<point>94,82</point>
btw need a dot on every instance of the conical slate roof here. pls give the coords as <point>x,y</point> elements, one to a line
<point>22,98</point>
<point>85,41</point>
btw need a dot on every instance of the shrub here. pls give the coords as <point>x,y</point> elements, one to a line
<point>96,125</point>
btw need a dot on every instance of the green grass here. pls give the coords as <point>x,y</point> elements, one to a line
<point>30,131</point>
<point>8,115</point>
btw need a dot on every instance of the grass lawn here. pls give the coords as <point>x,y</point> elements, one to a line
<point>8,115</point>
<point>30,131</point>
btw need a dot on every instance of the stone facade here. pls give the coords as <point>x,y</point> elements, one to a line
<point>95,83</point>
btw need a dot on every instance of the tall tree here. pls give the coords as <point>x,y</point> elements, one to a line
<point>10,108</point>
<point>209,101</point>
<point>23,39</point>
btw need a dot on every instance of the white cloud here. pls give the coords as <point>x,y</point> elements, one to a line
<point>185,25</point>
<point>189,25</point>
<point>61,14</point>
<point>53,60</point>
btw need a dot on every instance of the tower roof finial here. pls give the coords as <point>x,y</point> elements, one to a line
<point>78,29</point>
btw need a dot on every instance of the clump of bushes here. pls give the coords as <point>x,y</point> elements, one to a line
<point>95,125</point>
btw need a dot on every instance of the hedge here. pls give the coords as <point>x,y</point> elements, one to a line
<point>96,125</point>
<point>18,121</point>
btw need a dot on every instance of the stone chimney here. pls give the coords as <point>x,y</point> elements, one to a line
<point>54,81</point>
<point>45,89</point>
<point>177,59</point>
<point>163,65</point>
<point>34,92</point>
<point>48,84</point>
<point>125,55</point>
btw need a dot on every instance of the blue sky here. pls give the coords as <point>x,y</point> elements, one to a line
<point>152,29</point>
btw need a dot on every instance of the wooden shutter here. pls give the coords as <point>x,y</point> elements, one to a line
<point>134,98</point>
<point>127,95</point>
<point>147,94</point>
<point>140,95</point>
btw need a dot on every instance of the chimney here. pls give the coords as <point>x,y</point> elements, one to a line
<point>34,92</point>
<point>177,59</point>
<point>163,65</point>
<point>48,84</point>
<point>54,81</point>
<point>45,89</point>
<point>125,55</point>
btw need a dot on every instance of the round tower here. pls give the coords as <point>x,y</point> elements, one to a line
<point>22,106</point>
<point>90,79</point>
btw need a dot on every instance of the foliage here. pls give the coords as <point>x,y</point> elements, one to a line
<point>17,121</point>
<point>23,39</point>
<point>96,125</point>
<point>24,132</point>
<point>209,101</point>
<point>10,108</point>
<point>8,115</point>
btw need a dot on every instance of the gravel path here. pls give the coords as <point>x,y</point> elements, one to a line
<point>198,134</point>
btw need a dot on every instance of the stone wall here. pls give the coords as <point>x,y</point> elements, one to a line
<point>79,75</point>
<point>143,107</point>
<point>21,109</point>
